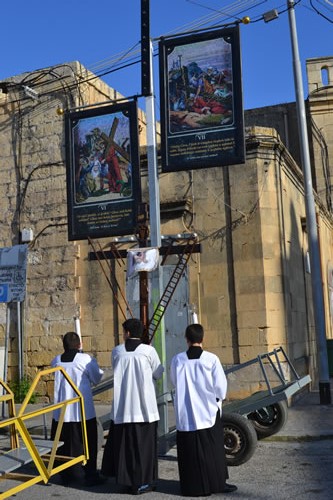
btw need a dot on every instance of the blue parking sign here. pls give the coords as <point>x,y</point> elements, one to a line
<point>4,292</point>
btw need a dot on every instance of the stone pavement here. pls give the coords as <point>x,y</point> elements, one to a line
<point>308,419</point>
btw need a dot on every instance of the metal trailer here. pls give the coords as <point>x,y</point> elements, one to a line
<point>263,413</point>
<point>257,416</point>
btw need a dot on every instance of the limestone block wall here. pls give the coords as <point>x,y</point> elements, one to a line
<point>247,254</point>
<point>281,117</point>
<point>33,195</point>
<point>295,276</point>
<point>320,104</point>
<point>208,190</point>
<point>325,230</point>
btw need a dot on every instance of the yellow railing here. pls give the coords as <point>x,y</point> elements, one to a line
<point>25,449</point>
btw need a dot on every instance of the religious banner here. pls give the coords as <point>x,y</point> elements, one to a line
<point>103,178</point>
<point>201,101</point>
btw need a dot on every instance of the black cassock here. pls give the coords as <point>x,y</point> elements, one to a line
<point>130,453</point>
<point>201,455</point>
<point>201,460</point>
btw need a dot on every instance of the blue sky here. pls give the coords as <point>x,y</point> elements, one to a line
<point>38,34</point>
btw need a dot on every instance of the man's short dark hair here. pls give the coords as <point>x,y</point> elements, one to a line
<point>134,326</point>
<point>71,341</point>
<point>194,333</point>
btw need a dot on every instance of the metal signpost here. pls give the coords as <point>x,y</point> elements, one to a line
<point>13,273</point>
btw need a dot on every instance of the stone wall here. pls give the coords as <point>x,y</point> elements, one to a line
<point>320,104</point>
<point>33,165</point>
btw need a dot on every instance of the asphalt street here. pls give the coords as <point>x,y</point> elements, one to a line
<point>295,463</point>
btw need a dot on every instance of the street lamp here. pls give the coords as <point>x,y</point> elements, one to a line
<point>311,223</point>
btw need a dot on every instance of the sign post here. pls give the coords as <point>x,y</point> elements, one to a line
<point>13,275</point>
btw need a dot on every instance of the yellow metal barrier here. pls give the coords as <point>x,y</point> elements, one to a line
<point>24,449</point>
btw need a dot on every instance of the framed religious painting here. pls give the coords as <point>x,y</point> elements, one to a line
<point>103,178</point>
<point>202,121</point>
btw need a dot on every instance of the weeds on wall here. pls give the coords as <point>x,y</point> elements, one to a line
<point>21,388</point>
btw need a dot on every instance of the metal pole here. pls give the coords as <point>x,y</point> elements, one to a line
<point>5,361</point>
<point>311,223</point>
<point>156,276</point>
<point>19,341</point>
<point>154,194</point>
<point>154,211</point>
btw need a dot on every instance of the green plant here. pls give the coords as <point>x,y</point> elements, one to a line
<point>21,388</point>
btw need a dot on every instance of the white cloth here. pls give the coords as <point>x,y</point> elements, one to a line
<point>84,372</point>
<point>134,397</point>
<point>198,383</point>
<point>144,259</point>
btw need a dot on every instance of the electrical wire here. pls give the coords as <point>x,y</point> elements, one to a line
<point>132,56</point>
<point>320,13</point>
<point>228,11</point>
<point>135,50</point>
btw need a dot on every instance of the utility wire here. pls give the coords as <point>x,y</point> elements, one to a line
<point>132,56</point>
<point>320,13</point>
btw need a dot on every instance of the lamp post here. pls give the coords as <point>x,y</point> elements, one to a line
<point>311,222</point>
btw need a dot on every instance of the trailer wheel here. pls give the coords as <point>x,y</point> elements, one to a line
<point>270,419</point>
<point>240,438</point>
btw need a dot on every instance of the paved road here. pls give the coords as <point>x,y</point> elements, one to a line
<point>296,463</point>
<point>278,470</point>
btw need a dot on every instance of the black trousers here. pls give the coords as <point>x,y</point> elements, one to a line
<point>71,435</point>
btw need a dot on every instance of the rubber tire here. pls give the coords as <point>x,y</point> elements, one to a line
<point>240,438</point>
<point>271,419</point>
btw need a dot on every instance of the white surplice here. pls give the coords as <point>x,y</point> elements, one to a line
<point>134,398</point>
<point>84,372</point>
<point>198,384</point>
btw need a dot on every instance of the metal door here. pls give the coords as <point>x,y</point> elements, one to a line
<point>176,317</point>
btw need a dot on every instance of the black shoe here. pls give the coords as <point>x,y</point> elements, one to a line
<point>145,488</point>
<point>229,488</point>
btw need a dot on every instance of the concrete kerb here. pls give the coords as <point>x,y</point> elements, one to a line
<point>308,420</point>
